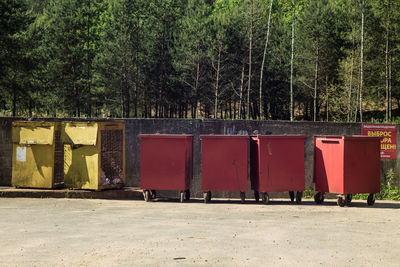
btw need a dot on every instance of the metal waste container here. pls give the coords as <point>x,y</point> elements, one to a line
<point>277,164</point>
<point>346,165</point>
<point>224,164</point>
<point>94,154</point>
<point>166,163</point>
<point>37,154</point>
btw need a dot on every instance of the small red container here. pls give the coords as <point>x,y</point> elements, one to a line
<point>166,163</point>
<point>347,165</point>
<point>277,164</point>
<point>224,164</point>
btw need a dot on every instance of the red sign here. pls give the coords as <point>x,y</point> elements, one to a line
<point>388,133</point>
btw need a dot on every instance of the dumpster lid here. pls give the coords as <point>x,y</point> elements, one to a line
<point>79,133</point>
<point>33,132</point>
<point>165,136</point>
<point>284,136</point>
<point>222,136</point>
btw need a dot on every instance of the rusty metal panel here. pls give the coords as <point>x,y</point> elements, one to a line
<point>224,162</point>
<point>166,162</point>
<point>277,163</point>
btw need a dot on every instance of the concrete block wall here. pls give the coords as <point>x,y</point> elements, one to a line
<point>134,127</point>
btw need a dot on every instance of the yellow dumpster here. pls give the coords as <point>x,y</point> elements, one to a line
<point>94,154</point>
<point>37,154</point>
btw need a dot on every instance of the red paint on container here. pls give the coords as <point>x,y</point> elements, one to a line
<point>224,162</point>
<point>347,164</point>
<point>277,163</point>
<point>166,161</point>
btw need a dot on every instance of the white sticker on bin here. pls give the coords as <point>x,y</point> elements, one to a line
<point>21,153</point>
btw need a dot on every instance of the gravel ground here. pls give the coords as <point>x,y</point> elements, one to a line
<point>82,232</point>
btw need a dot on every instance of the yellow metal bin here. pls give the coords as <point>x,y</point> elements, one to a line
<point>37,154</point>
<point>94,154</point>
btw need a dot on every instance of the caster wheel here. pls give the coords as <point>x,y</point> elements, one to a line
<point>291,195</point>
<point>153,194</point>
<point>256,196</point>
<point>319,198</point>
<point>187,194</point>
<point>181,196</point>
<point>349,198</point>
<point>242,197</point>
<point>341,202</point>
<point>146,195</point>
<point>207,196</point>
<point>371,199</point>
<point>299,196</point>
<point>265,198</point>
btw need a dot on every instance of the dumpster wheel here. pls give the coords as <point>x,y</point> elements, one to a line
<point>256,195</point>
<point>242,197</point>
<point>349,198</point>
<point>181,196</point>
<point>265,198</point>
<point>341,201</point>
<point>319,198</point>
<point>299,195</point>
<point>146,195</point>
<point>187,194</point>
<point>207,196</point>
<point>291,195</point>
<point>153,194</point>
<point>371,199</point>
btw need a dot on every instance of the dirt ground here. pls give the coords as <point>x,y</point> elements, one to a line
<point>82,232</point>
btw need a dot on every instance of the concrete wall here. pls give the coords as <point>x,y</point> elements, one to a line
<point>134,127</point>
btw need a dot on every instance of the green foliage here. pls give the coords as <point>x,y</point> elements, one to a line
<point>389,190</point>
<point>177,58</point>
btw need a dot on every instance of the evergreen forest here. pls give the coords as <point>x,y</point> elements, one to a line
<point>315,60</point>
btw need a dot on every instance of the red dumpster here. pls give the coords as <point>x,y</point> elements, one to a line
<point>166,163</point>
<point>346,165</point>
<point>224,164</point>
<point>277,164</point>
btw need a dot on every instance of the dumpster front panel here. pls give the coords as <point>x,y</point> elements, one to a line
<point>165,162</point>
<point>329,164</point>
<point>79,133</point>
<point>362,165</point>
<point>33,166</point>
<point>224,163</point>
<point>31,133</point>
<point>81,167</point>
<point>281,163</point>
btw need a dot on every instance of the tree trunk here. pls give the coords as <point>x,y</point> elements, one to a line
<point>241,92</point>
<point>349,113</point>
<point>387,61</point>
<point>263,60</point>
<point>292,61</point>
<point>250,51</point>
<point>217,79</point>
<point>362,59</point>
<point>316,82</point>
<point>327,97</point>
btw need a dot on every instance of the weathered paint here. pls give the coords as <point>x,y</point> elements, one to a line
<point>166,161</point>
<point>81,167</point>
<point>82,153</point>
<point>33,154</point>
<point>277,163</point>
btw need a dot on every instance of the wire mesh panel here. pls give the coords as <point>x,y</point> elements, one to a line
<point>111,157</point>
<point>58,159</point>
